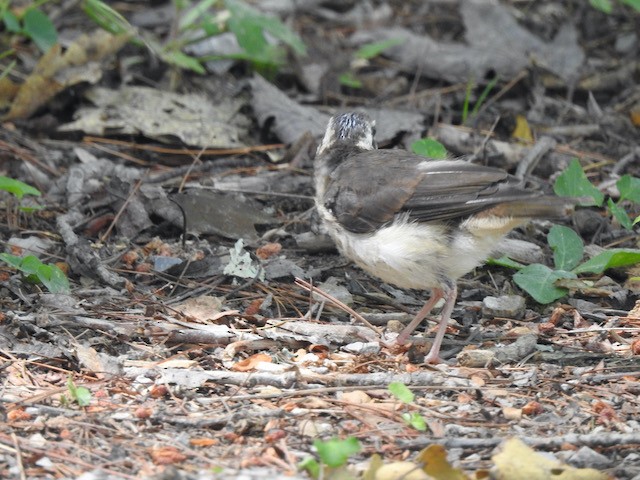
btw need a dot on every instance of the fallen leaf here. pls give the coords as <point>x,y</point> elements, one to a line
<point>404,470</point>
<point>518,461</point>
<point>167,455</point>
<point>522,131</point>
<point>250,363</point>
<point>56,71</point>
<point>434,459</point>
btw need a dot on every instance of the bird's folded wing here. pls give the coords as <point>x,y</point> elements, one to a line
<point>365,194</point>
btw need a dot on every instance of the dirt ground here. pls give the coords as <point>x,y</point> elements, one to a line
<point>191,342</point>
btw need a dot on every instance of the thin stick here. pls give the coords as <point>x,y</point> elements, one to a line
<point>312,289</point>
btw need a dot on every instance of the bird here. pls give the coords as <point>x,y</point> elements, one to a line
<point>416,222</point>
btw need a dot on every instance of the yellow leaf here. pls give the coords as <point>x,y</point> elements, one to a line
<point>434,459</point>
<point>403,470</point>
<point>522,131</point>
<point>517,461</point>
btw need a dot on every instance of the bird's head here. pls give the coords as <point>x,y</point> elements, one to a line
<point>353,128</point>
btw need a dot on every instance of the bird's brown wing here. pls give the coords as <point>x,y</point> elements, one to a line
<point>369,189</point>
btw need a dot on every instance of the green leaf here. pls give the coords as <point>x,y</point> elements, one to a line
<point>53,278</point>
<point>602,5</point>
<point>81,395</point>
<point>637,220</point>
<point>12,260</point>
<point>248,33</point>
<point>415,420</point>
<point>567,247</point>
<point>616,257</point>
<point>635,4</point>
<point>505,261</point>
<point>538,281</point>
<point>17,188</point>
<point>106,17</point>
<point>34,270</point>
<point>372,50</point>
<point>336,452</point>
<point>574,183</point>
<point>401,392</point>
<point>30,265</point>
<point>311,466</point>
<point>629,188</point>
<point>11,22</point>
<point>40,29</point>
<point>348,79</point>
<point>182,60</point>
<point>428,147</point>
<point>249,25</point>
<point>195,14</point>
<point>620,214</point>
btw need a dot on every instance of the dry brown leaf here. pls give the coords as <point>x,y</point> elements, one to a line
<point>203,442</point>
<point>518,461</point>
<point>434,459</point>
<point>250,363</point>
<point>356,396</point>
<point>56,71</point>
<point>201,308</point>
<point>511,413</point>
<point>90,360</point>
<point>167,455</point>
<point>268,250</point>
<point>404,470</point>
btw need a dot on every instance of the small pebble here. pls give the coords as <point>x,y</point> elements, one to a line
<point>507,306</point>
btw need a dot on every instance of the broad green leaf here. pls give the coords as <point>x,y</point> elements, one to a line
<point>620,214</point>
<point>53,278</point>
<point>310,465</point>
<point>348,79</point>
<point>574,183</point>
<point>567,247</point>
<point>428,147</point>
<point>372,50</point>
<point>538,281</point>
<point>603,5</point>
<point>635,4</point>
<point>415,420</point>
<point>617,257</point>
<point>401,392</point>
<point>249,26</point>
<point>30,265</point>
<point>11,22</point>
<point>629,188</point>
<point>637,220</point>
<point>17,188</point>
<point>83,396</point>
<point>40,29</point>
<point>336,452</point>
<point>12,260</point>
<point>505,261</point>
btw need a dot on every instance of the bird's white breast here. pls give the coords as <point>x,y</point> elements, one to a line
<point>413,255</point>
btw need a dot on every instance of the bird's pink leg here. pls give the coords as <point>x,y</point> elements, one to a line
<point>450,300</point>
<point>450,295</point>
<point>436,295</point>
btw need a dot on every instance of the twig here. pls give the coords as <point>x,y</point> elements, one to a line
<point>533,156</point>
<point>312,289</point>
<point>135,189</point>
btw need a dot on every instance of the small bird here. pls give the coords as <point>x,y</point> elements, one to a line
<point>413,221</point>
